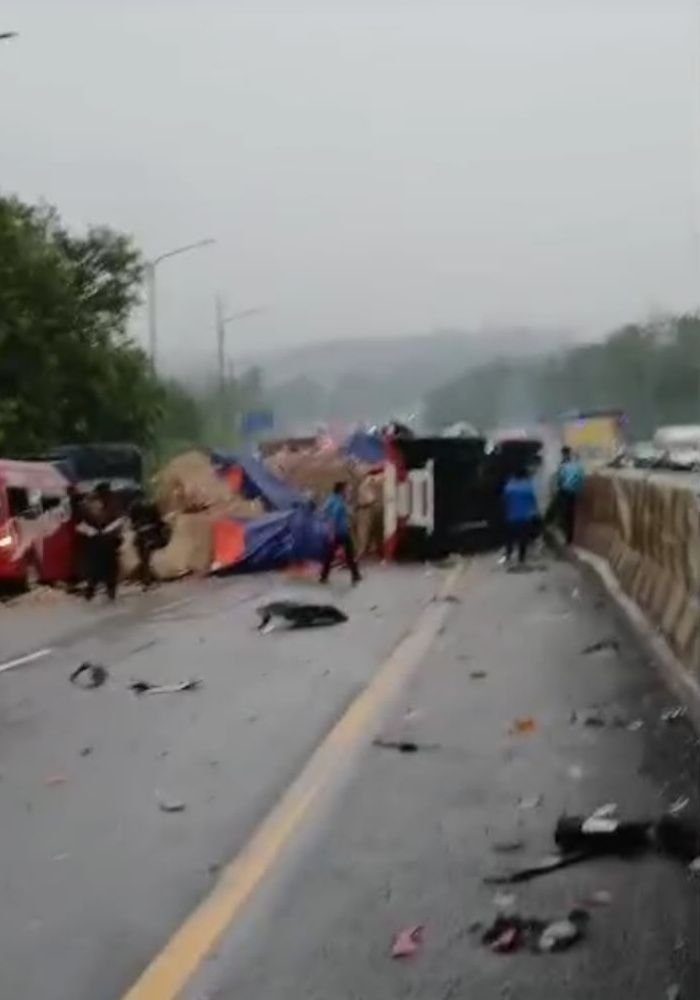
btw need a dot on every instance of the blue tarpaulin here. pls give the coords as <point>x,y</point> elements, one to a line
<point>259,482</point>
<point>364,447</point>
<point>269,542</point>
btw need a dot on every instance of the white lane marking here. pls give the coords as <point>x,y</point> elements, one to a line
<point>21,660</point>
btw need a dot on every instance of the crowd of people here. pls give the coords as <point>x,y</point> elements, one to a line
<point>101,519</point>
<point>522,518</point>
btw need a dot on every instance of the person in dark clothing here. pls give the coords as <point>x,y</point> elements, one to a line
<point>150,533</point>
<point>335,511</point>
<point>101,528</point>
<point>521,514</point>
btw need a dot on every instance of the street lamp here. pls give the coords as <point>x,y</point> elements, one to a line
<point>222,322</point>
<point>150,271</point>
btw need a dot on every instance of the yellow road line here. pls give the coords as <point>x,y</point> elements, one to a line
<point>172,969</point>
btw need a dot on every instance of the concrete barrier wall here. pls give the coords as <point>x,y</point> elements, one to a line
<point>647,527</point>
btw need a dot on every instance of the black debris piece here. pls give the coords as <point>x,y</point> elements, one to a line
<point>403,746</point>
<point>299,614</point>
<point>145,687</point>
<point>552,863</point>
<point>89,675</point>
<point>508,846</point>
<point>602,646</point>
<point>478,675</point>
<point>602,835</point>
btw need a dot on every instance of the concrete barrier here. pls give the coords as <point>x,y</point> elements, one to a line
<point>647,528</point>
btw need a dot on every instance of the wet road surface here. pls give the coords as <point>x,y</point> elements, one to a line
<point>412,837</point>
<point>96,877</point>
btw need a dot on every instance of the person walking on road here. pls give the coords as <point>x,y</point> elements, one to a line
<point>335,512</point>
<point>570,479</point>
<point>521,514</point>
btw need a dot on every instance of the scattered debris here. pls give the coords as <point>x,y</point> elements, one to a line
<point>512,933</point>
<point>297,614</point>
<point>611,645</point>
<point>606,812</point>
<point>600,898</point>
<point>679,806</point>
<point>144,687</point>
<point>552,863</point>
<point>56,779</point>
<point>563,933</point>
<point>636,725</point>
<point>674,714</point>
<point>86,751</point>
<point>407,942</point>
<point>505,902</point>
<point>523,727</point>
<point>403,746</point>
<point>450,599</point>
<point>532,803</point>
<point>171,805</point>
<point>600,834</point>
<point>508,846</point>
<point>478,675</point>
<point>89,675</point>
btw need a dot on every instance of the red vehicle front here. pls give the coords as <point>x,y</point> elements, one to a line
<point>37,537</point>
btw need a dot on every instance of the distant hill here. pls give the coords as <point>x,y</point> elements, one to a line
<point>426,359</point>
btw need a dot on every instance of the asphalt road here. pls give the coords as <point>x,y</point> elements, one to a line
<point>94,875</point>
<point>96,878</point>
<point>411,839</point>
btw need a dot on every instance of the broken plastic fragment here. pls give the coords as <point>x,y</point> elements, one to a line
<point>407,942</point>
<point>523,727</point>
<point>89,675</point>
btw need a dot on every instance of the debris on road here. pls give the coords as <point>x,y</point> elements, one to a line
<point>55,779</point>
<point>407,942</point>
<point>86,751</point>
<point>679,806</point>
<point>298,614</point>
<point>509,934</point>
<point>610,645</point>
<point>478,675</point>
<point>144,687</point>
<point>403,746</point>
<point>674,714</point>
<point>575,772</point>
<point>508,846</point>
<point>505,903</point>
<point>89,675</point>
<point>552,863</point>
<point>600,834</point>
<point>171,805</point>
<point>523,727</point>
<point>600,898</point>
<point>532,803</point>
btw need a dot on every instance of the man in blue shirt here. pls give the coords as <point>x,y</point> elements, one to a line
<point>521,514</point>
<point>335,512</point>
<point>570,479</point>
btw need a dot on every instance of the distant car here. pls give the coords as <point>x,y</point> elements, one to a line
<point>645,455</point>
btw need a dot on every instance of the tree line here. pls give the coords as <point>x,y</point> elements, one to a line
<point>651,371</point>
<point>69,369</point>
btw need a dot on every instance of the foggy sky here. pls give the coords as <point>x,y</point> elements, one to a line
<point>370,166</point>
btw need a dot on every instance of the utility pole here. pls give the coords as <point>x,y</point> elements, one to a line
<point>224,371</point>
<point>150,276</point>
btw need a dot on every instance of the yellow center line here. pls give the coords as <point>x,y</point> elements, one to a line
<point>175,965</point>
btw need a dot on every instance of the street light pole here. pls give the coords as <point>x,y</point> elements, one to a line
<point>221,323</point>
<point>150,275</point>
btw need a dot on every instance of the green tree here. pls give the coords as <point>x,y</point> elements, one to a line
<point>68,370</point>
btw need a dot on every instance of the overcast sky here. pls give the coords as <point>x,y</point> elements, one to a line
<point>370,166</point>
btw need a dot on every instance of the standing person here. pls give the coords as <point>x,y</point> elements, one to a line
<point>101,528</point>
<point>150,533</point>
<point>335,511</point>
<point>521,514</point>
<point>570,479</point>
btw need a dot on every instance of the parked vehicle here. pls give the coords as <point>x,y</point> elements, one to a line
<point>679,447</point>
<point>37,534</point>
